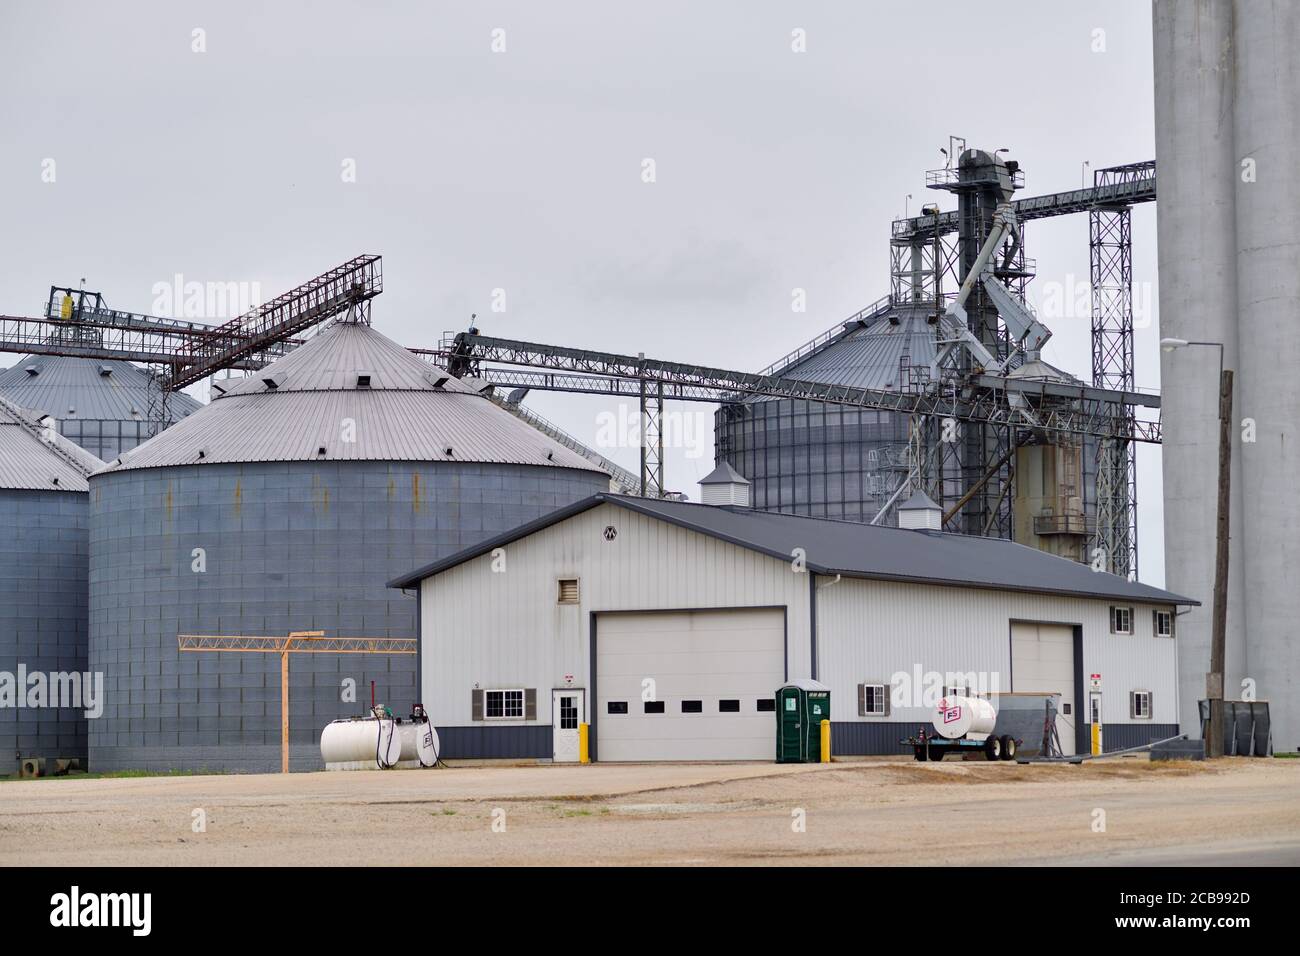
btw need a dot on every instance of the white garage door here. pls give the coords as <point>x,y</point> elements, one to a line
<point>1042,661</point>
<point>714,675</point>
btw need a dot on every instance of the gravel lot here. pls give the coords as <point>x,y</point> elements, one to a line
<point>877,812</point>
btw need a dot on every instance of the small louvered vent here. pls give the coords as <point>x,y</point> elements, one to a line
<point>568,591</point>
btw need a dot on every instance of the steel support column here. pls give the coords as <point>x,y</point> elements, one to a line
<point>1110,245</point>
<point>652,439</point>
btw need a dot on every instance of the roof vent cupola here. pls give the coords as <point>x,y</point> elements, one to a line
<point>920,513</point>
<point>725,486</point>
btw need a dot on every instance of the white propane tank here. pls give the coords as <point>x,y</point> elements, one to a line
<point>419,743</point>
<point>957,717</point>
<point>360,743</point>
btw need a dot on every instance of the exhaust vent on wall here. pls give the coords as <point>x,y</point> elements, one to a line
<point>568,591</point>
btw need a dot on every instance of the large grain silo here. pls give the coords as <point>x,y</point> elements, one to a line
<point>831,461</point>
<point>43,568</point>
<point>1227,137</point>
<point>287,504</point>
<point>102,405</point>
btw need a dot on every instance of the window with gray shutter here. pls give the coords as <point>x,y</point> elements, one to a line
<point>1162,623</point>
<point>1139,705</point>
<point>1121,620</point>
<point>514,703</point>
<point>873,700</point>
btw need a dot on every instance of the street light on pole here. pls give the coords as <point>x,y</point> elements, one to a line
<point>1219,627</point>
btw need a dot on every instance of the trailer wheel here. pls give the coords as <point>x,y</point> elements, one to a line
<point>936,753</point>
<point>1008,747</point>
<point>918,753</point>
<point>992,748</point>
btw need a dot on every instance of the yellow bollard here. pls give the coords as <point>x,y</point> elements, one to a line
<point>584,754</point>
<point>826,741</point>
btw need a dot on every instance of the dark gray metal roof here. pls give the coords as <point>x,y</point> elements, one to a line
<point>409,411</point>
<point>77,388</point>
<point>857,550</point>
<point>33,456</point>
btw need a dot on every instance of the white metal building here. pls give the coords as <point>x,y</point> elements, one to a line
<point>668,626</point>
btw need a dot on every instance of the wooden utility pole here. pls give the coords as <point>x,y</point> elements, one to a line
<point>296,642</point>
<point>1219,633</point>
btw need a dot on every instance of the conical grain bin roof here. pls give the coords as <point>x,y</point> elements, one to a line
<point>350,394</point>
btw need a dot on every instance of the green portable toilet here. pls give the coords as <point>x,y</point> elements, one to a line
<point>801,706</point>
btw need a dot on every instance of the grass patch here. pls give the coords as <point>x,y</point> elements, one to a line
<point>112,775</point>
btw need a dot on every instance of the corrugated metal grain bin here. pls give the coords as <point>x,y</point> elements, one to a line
<point>43,568</point>
<point>287,504</point>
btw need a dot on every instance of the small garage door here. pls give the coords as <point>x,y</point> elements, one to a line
<point>714,675</point>
<point>1042,661</point>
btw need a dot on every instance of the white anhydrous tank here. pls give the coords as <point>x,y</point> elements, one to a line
<point>419,742</point>
<point>364,741</point>
<point>957,717</point>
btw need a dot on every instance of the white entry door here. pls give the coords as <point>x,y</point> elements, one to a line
<point>566,714</point>
<point>1042,661</point>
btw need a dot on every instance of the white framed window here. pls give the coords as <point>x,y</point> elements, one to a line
<point>873,700</point>
<point>1121,620</point>
<point>506,704</point>
<point>1163,625</point>
<point>1140,705</point>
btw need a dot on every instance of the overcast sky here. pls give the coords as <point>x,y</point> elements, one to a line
<point>521,169</point>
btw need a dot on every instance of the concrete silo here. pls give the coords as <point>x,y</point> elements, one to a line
<point>1226,95</point>
<point>1266,130</point>
<point>1054,508</point>
<point>43,567</point>
<point>287,504</point>
<point>103,406</point>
